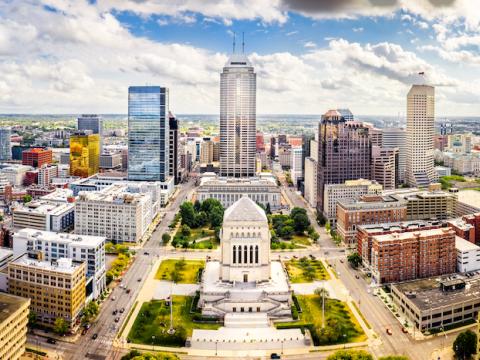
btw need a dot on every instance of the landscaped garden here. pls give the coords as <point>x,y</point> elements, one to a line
<point>292,231</point>
<point>306,270</point>
<point>200,225</point>
<point>153,322</point>
<point>180,271</point>
<point>460,182</point>
<point>340,324</point>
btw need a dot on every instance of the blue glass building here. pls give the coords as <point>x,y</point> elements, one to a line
<point>148,132</point>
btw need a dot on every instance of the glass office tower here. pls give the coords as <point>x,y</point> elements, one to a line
<point>148,132</point>
<point>84,154</point>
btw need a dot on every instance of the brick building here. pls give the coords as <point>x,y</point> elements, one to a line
<point>37,157</point>
<point>365,233</point>
<point>411,255</point>
<point>370,209</point>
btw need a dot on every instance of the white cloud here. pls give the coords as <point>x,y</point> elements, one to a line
<point>358,29</point>
<point>310,45</point>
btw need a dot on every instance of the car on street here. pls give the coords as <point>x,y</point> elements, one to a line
<point>274,356</point>
<point>113,298</point>
<point>139,279</point>
<point>404,330</point>
<point>51,341</point>
<point>146,253</point>
<point>94,336</point>
<point>122,310</point>
<point>356,276</point>
<point>117,319</point>
<point>128,291</point>
<point>389,331</point>
<point>84,331</point>
<point>341,260</point>
<point>115,312</point>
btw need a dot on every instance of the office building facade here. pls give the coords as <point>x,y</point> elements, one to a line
<point>344,152</point>
<point>385,166</point>
<point>5,144</point>
<point>84,154</point>
<point>173,146</point>
<point>420,171</point>
<point>237,118</point>
<point>148,133</point>
<point>37,157</point>
<point>13,326</point>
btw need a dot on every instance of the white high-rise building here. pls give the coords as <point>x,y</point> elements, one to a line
<point>420,130</point>
<point>237,118</point>
<point>296,171</point>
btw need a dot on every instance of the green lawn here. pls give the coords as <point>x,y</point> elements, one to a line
<point>306,270</point>
<point>301,240</point>
<point>339,321</point>
<point>188,273</point>
<point>209,243</point>
<point>153,321</point>
<point>200,233</point>
<point>205,234</point>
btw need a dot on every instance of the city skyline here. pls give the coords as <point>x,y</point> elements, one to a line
<point>309,56</point>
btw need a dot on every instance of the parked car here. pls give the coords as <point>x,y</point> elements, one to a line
<point>115,312</point>
<point>139,279</point>
<point>117,319</point>
<point>128,291</point>
<point>113,298</point>
<point>94,336</point>
<point>274,356</point>
<point>356,276</point>
<point>51,341</point>
<point>122,310</point>
<point>389,331</point>
<point>404,330</point>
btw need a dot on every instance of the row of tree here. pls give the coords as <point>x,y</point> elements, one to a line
<point>285,226</point>
<point>200,214</point>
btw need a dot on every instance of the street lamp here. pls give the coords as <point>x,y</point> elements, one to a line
<point>344,341</point>
<point>153,343</point>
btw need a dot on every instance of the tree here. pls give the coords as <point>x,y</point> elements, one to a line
<point>300,222</point>
<point>27,198</point>
<point>321,291</point>
<point>166,238</point>
<point>197,206</point>
<point>201,219</point>
<point>321,220</point>
<point>354,259</point>
<point>465,345</point>
<point>185,230</point>
<point>209,204</point>
<point>268,209</point>
<point>60,326</point>
<point>188,214</point>
<point>215,216</point>
<point>350,355</point>
<point>32,319</point>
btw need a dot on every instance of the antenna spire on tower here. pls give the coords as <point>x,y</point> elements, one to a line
<point>243,42</point>
<point>234,42</point>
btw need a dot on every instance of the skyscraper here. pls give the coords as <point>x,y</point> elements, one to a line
<point>84,153</point>
<point>148,133</point>
<point>5,148</point>
<point>237,117</point>
<point>397,138</point>
<point>344,152</point>
<point>420,131</point>
<point>173,158</point>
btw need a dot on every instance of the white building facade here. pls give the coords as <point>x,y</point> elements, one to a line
<point>420,170</point>
<point>114,213</point>
<point>468,255</point>
<point>262,189</point>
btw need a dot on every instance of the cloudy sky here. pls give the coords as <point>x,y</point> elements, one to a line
<point>74,56</point>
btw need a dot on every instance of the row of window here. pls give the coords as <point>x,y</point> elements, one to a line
<point>238,251</point>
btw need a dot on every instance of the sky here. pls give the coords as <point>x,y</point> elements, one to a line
<point>76,56</point>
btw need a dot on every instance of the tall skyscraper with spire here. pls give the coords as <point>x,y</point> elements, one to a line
<point>420,169</point>
<point>237,117</point>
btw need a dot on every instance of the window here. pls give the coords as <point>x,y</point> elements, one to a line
<point>239,254</point>
<point>251,254</point>
<point>256,254</point>
<point>234,257</point>
<point>245,254</point>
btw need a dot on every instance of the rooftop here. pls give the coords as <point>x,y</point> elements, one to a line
<point>244,209</point>
<point>427,293</point>
<point>43,207</point>
<point>410,234</point>
<point>62,265</point>
<point>464,245</point>
<point>401,226</point>
<point>116,193</point>
<point>5,253</point>
<point>50,236</point>
<point>10,304</point>
<point>368,202</point>
<point>469,197</point>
